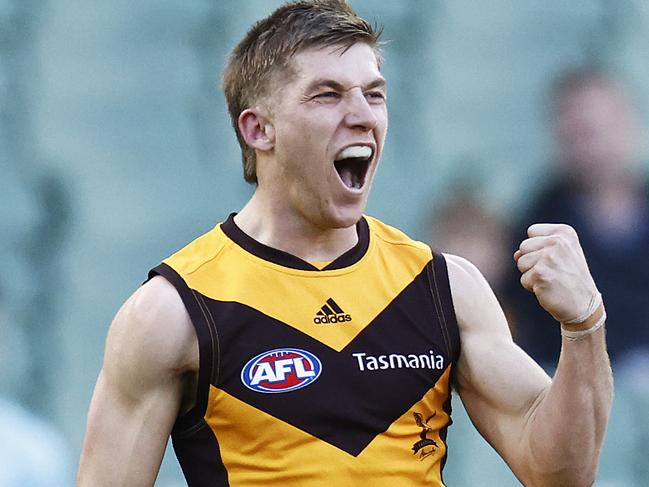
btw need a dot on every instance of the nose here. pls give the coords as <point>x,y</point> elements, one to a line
<point>360,113</point>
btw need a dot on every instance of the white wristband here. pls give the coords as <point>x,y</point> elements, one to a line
<point>595,301</point>
<point>578,335</point>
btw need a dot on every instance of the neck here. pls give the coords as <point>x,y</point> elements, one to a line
<point>286,229</point>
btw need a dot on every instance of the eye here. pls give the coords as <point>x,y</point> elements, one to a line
<point>327,95</point>
<point>375,96</point>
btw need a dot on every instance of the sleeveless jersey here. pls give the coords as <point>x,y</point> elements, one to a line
<point>316,377</point>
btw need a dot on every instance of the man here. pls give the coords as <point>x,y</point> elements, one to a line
<point>599,187</point>
<point>302,343</point>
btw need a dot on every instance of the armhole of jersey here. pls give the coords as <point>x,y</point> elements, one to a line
<point>207,348</point>
<point>440,288</point>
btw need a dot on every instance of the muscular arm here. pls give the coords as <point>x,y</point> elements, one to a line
<point>151,355</point>
<point>550,432</point>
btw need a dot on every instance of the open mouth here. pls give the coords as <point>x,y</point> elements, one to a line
<point>352,165</point>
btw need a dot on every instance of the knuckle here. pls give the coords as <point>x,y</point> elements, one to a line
<point>522,267</point>
<point>562,240</point>
<point>525,243</point>
<point>542,274</point>
<point>567,230</point>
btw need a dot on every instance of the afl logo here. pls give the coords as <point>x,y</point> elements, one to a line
<point>281,370</point>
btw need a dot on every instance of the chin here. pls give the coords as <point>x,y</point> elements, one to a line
<point>343,217</point>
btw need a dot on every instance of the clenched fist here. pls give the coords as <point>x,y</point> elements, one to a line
<point>554,268</point>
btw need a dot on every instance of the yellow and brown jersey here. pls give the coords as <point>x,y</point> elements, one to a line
<point>310,376</point>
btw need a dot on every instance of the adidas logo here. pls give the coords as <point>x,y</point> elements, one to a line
<point>330,312</point>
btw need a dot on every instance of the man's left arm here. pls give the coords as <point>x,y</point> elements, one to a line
<point>550,432</point>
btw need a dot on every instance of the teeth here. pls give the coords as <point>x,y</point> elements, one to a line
<point>355,151</point>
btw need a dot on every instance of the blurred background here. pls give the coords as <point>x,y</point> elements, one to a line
<point>116,149</point>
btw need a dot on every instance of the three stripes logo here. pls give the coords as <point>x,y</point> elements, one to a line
<point>329,313</point>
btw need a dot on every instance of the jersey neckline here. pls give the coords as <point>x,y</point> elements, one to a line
<point>276,256</point>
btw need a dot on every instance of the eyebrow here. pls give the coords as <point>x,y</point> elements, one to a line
<point>330,83</point>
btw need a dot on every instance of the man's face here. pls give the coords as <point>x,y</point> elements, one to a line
<point>596,132</point>
<point>330,122</point>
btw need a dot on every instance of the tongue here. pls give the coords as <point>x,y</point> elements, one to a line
<point>347,177</point>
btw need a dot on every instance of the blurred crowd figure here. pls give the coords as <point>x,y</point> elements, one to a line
<point>598,186</point>
<point>32,452</point>
<point>597,183</point>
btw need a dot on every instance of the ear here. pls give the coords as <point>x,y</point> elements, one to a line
<point>256,129</point>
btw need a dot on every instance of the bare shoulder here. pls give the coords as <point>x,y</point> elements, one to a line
<point>151,352</point>
<point>476,306</point>
<point>488,352</point>
<point>462,272</point>
<point>490,362</point>
<point>151,337</point>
